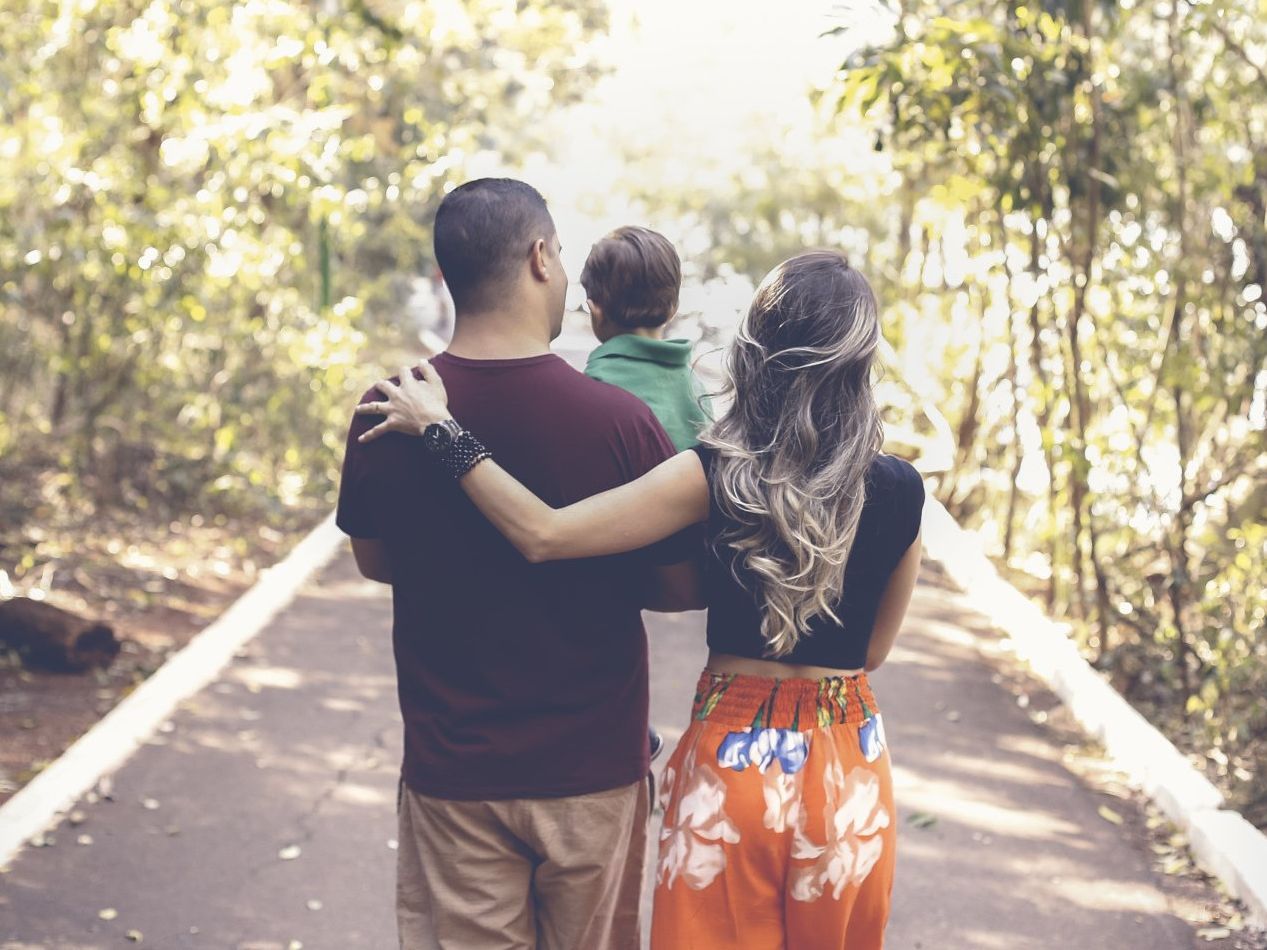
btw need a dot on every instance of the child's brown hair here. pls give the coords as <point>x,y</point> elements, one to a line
<point>635,275</point>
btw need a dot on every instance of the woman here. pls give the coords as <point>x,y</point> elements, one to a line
<point>779,826</point>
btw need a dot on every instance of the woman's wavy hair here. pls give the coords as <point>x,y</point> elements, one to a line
<point>796,442</point>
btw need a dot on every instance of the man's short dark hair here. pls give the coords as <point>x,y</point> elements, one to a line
<point>484,230</point>
<point>635,275</point>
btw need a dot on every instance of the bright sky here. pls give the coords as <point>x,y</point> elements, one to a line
<point>692,86</point>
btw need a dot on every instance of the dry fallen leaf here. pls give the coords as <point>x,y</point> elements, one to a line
<point>135,936</point>
<point>290,852</point>
<point>107,913</point>
<point>150,804</point>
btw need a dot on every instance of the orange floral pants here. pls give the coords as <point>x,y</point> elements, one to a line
<point>779,826</point>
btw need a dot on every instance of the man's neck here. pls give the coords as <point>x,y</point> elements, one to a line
<point>485,337</point>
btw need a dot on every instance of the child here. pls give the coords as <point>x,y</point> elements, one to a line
<point>632,278</point>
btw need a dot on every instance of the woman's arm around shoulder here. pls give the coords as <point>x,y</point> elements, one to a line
<point>670,497</point>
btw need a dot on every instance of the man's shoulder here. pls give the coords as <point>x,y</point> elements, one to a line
<point>598,393</point>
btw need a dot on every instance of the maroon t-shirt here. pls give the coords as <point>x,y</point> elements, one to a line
<point>515,680</point>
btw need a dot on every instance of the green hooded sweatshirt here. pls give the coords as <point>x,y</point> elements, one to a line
<point>659,373</point>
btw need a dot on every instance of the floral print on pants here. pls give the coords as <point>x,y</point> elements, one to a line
<point>779,825</point>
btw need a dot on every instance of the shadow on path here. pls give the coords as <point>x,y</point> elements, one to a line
<point>294,752</point>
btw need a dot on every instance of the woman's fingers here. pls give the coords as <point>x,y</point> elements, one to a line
<point>434,382</point>
<point>429,373</point>
<point>406,403</point>
<point>379,430</point>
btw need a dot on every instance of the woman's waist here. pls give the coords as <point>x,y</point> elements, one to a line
<point>744,700</point>
<point>827,648</point>
<point>721,662</point>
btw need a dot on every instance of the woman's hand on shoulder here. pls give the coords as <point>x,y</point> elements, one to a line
<point>408,406</point>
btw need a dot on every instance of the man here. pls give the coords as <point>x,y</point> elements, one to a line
<point>523,687</point>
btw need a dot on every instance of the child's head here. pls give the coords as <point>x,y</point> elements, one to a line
<point>632,278</point>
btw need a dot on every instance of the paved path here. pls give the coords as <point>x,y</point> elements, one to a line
<point>296,747</point>
<point>264,819</point>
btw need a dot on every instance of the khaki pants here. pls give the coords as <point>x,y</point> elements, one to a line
<point>524,874</point>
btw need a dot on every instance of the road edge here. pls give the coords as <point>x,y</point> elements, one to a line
<point>1221,840</point>
<point>112,741</point>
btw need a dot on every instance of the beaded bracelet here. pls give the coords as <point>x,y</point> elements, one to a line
<point>465,452</point>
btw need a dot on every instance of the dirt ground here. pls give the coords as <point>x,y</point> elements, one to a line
<point>156,589</point>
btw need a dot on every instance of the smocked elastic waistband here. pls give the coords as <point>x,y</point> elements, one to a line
<point>736,700</point>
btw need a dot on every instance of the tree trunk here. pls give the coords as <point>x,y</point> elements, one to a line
<point>1080,408</point>
<point>1042,411</point>
<point>1180,563</point>
<point>53,638</point>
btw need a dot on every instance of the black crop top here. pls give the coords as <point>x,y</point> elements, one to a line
<point>889,524</point>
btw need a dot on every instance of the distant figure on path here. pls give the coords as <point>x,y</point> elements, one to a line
<point>523,687</point>
<point>779,827</point>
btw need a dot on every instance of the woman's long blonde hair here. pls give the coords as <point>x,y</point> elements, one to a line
<point>798,437</point>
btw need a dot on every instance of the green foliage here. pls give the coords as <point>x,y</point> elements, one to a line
<point>175,172</point>
<point>1101,170</point>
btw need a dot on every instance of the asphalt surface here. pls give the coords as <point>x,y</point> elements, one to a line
<point>264,817</point>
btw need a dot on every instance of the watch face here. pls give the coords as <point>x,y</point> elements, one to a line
<point>436,438</point>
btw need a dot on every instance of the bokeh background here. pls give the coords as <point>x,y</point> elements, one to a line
<point>214,234</point>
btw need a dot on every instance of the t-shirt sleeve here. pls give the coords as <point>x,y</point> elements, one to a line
<point>908,505</point>
<point>649,446</point>
<point>706,455</point>
<point>356,515</point>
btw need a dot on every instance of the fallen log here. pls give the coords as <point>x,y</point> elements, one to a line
<point>55,639</point>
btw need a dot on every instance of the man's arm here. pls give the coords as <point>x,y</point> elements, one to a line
<point>371,559</point>
<point>674,587</point>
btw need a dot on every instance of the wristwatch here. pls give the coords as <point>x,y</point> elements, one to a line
<point>438,437</point>
<point>456,449</point>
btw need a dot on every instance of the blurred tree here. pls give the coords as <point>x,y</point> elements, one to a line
<point>1098,171</point>
<point>176,175</point>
